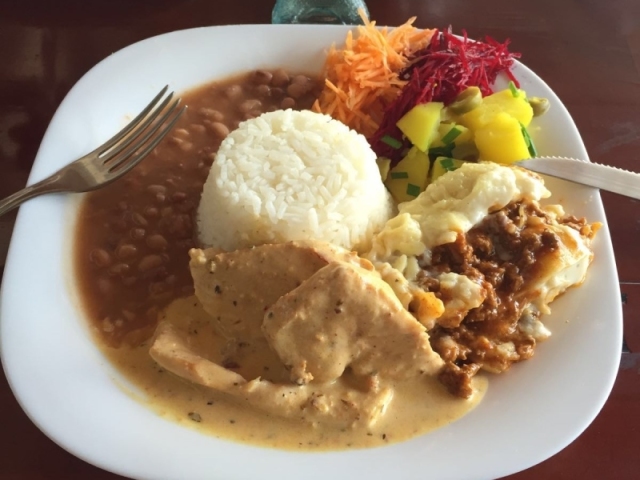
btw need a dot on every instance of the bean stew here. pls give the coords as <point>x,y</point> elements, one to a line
<point>133,236</point>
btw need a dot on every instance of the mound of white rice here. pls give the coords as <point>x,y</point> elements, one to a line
<point>290,175</point>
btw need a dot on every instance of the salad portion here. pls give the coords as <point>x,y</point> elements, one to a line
<point>425,101</point>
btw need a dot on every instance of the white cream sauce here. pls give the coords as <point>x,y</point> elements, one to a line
<point>419,405</point>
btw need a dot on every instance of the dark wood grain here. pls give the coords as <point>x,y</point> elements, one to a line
<point>587,51</point>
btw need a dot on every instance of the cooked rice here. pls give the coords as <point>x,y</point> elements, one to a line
<point>290,175</point>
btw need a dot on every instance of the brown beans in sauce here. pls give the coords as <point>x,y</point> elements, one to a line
<point>157,242</point>
<point>219,129</point>
<point>287,102</point>
<point>100,257</point>
<point>134,235</point>
<point>137,233</point>
<point>126,251</point>
<point>262,77</point>
<point>148,262</point>
<point>280,78</point>
<point>249,105</point>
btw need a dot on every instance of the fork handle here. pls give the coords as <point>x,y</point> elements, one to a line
<point>48,185</point>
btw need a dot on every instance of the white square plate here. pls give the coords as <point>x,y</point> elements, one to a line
<point>72,393</point>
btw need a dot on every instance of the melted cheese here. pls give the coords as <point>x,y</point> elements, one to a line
<point>453,205</point>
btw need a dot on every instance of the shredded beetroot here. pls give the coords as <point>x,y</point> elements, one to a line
<point>438,73</point>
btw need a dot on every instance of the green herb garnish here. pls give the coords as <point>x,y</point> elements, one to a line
<point>448,165</point>
<point>397,175</point>
<point>514,90</point>
<point>392,142</point>
<point>527,139</point>
<point>445,151</point>
<point>413,190</point>
<point>451,135</point>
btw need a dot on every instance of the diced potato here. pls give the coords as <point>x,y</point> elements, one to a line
<point>409,177</point>
<point>420,124</point>
<point>501,140</point>
<point>518,107</point>
<point>384,164</point>
<point>443,165</point>
<point>479,116</point>
<point>502,101</point>
<point>449,133</point>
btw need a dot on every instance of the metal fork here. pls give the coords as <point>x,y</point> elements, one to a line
<point>111,160</point>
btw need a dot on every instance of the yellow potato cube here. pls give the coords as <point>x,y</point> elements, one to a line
<point>518,106</point>
<point>409,177</point>
<point>503,101</point>
<point>501,140</point>
<point>420,124</point>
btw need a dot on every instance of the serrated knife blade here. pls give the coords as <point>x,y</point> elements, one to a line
<point>596,175</point>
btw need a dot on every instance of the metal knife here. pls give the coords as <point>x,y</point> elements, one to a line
<point>596,175</point>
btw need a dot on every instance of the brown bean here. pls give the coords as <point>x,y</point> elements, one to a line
<point>197,128</point>
<point>137,233</point>
<point>288,102</point>
<point>261,77</point>
<point>181,132</point>
<point>233,91</point>
<point>157,242</point>
<point>122,205</point>
<point>252,114</point>
<point>149,262</point>
<point>185,146</point>
<point>220,130</point>
<point>128,315</point>
<point>277,92</point>
<point>249,104</point>
<point>264,90</point>
<point>297,90</point>
<point>128,281</point>
<point>155,189</point>
<point>160,198</point>
<point>300,80</point>
<point>211,114</point>
<point>178,197</point>
<point>280,78</point>
<point>100,257</point>
<point>139,220</point>
<point>126,251</point>
<point>119,269</point>
<point>171,280</point>
<point>151,212</point>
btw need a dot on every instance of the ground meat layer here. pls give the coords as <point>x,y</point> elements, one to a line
<point>502,254</point>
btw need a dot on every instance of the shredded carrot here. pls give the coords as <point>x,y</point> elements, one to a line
<point>362,79</point>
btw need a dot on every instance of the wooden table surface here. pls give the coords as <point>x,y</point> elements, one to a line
<point>588,51</point>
